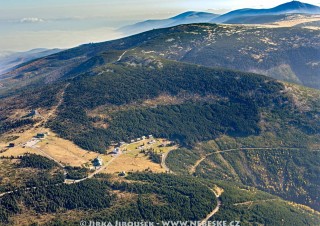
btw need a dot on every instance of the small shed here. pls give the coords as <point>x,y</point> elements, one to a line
<point>152,142</point>
<point>34,113</point>
<point>97,161</point>
<point>41,135</point>
<point>122,174</point>
<point>116,151</point>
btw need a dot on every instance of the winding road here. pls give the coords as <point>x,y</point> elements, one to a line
<point>194,167</point>
<point>215,210</point>
<point>68,181</point>
<point>164,165</point>
<point>163,162</point>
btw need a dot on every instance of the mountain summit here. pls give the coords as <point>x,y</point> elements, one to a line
<point>296,7</point>
<point>183,18</point>
<point>240,16</point>
<point>286,8</point>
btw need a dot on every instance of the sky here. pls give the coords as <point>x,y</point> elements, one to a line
<point>28,24</point>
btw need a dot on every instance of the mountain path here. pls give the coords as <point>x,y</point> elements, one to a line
<point>66,181</point>
<point>120,57</point>
<point>163,162</point>
<point>198,162</point>
<point>253,202</point>
<point>214,211</point>
<point>54,109</point>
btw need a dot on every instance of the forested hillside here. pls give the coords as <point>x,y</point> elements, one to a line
<point>235,134</point>
<point>28,171</point>
<point>115,96</point>
<point>289,54</point>
<point>145,196</point>
<point>177,198</point>
<point>291,172</point>
<point>258,208</point>
<point>125,96</point>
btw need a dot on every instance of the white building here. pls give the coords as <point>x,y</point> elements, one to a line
<point>98,161</point>
<point>116,151</point>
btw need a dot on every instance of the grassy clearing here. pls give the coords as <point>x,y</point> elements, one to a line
<point>133,160</point>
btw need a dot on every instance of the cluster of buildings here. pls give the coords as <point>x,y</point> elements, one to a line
<point>97,162</point>
<point>135,140</point>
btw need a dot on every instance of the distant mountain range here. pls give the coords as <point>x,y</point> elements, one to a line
<point>269,19</point>
<point>8,60</point>
<point>290,7</point>
<point>184,18</point>
<point>245,16</point>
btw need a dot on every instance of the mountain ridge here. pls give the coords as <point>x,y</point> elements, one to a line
<point>289,7</point>
<point>183,18</point>
<point>9,60</point>
<point>294,7</point>
<point>270,51</point>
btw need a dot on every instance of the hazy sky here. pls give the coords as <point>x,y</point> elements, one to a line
<point>27,24</point>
